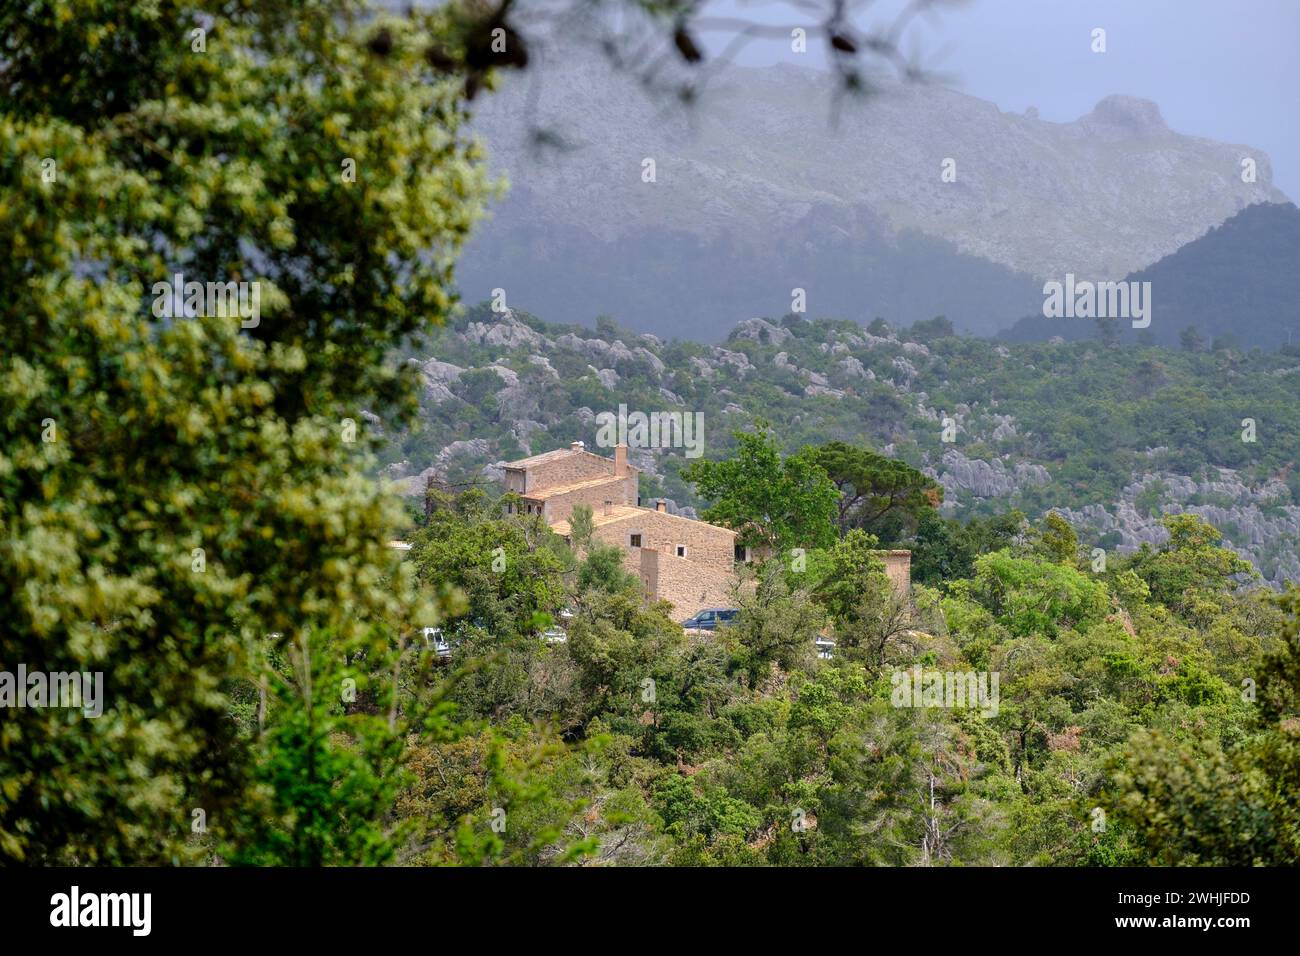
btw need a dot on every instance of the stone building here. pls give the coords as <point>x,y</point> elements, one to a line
<point>691,564</point>
<point>898,565</point>
<point>551,484</point>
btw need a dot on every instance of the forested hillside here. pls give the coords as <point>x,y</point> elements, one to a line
<point>1137,715</point>
<point>1237,286</point>
<point>1111,437</point>
<point>226,640</point>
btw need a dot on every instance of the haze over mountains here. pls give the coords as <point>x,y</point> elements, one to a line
<point>1238,285</point>
<point>759,190</point>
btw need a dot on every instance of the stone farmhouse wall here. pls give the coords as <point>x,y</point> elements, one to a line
<point>560,507</point>
<point>564,470</point>
<point>898,565</point>
<point>688,586</point>
<point>706,545</point>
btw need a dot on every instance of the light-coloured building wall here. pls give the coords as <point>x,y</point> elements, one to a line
<point>559,507</point>
<point>705,544</point>
<point>898,565</point>
<point>688,585</point>
<point>567,469</point>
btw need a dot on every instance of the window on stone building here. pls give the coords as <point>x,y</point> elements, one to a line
<point>634,540</point>
<point>681,551</point>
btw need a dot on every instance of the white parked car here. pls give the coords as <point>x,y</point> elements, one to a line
<point>434,638</point>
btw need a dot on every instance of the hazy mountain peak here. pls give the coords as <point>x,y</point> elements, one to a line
<point>1128,113</point>
<point>774,177</point>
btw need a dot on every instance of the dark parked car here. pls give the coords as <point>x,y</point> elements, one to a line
<point>711,619</point>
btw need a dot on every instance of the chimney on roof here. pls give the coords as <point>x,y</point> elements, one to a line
<point>620,461</point>
<point>576,446</point>
<point>660,505</point>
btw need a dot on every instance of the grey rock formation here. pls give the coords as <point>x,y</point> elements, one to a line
<point>985,479</point>
<point>517,402</point>
<point>465,451</point>
<point>644,458</point>
<point>438,377</point>
<point>509,332</point>
<point>738,361</point>
<point>656,364</point>
<point>508,375</point>
<point>760,331</point>
<point>525,431</point>
<point>855,369</point>
<point>543,363</point>
<point>907,371</point>
<point>1259,522</point>
<point>598,350</point>
<point>812,391</point>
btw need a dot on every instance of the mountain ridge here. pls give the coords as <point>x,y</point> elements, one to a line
<point>1238,284</point>
<point>758,187</point>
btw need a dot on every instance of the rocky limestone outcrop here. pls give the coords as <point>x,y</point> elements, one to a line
<point>761,331</point>
<point>508,375</point>
<point>854,368</point>
<point>438,377</point>
<point>738,361</point>
<point>985,479</point>
<point>544,364</point>
<point>597,350</point>
<point>507,332</point>
<point>466,451</point>
<point>1258,522</point>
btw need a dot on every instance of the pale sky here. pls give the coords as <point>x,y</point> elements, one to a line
<point>1227,70</point>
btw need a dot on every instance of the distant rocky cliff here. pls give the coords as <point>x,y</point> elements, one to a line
<point>758,191</point>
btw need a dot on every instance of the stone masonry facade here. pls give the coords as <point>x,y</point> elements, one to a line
<point>553,483</point>
<point>691,564</point>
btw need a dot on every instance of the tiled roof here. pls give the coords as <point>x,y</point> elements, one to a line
<point>600,517</point>
<point>550,491</point>
<point>552,455</point>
